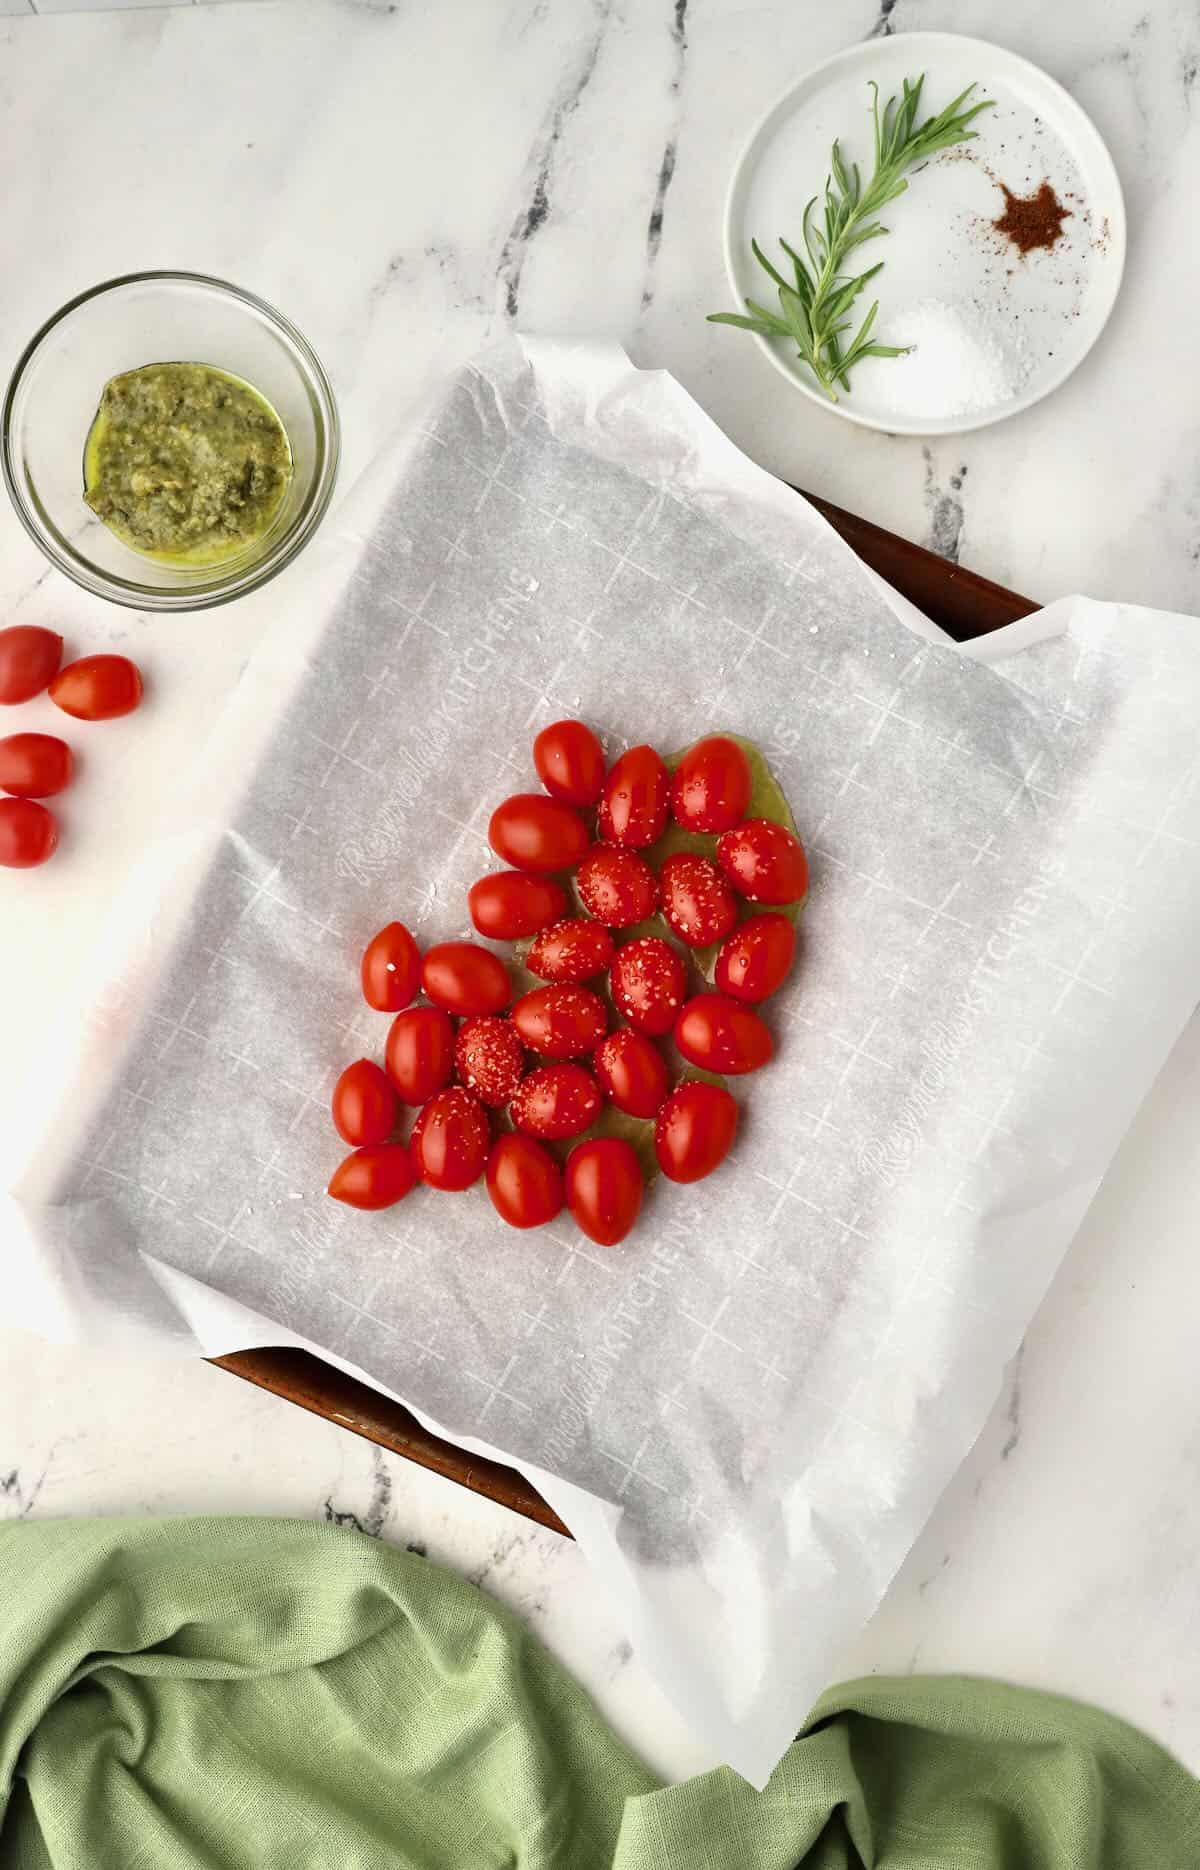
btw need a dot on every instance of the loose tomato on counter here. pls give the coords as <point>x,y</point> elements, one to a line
<point>570,951</point>
<point>712,784</point>
<point>465,979</point>
<point>29,659</point>
<point>604,1188</point>
<point>764,861</point>
<point>636,802</point>
<point>534,833</point>
<point>757,958</point>
<point>489,1058</point>
<point>391,969</point>
<point>420,1053</point>
<point>377,1176</point>
<point>649,983</point>
<point>524,1181</point>
<point>511,904</point>
<point>28,834</point>
<point>556,1101</point>
<point>694,1131</point>
<point>570,762</point>
<point>560,1022</point>
<point>632,1072</point>
<point>698,904</point>
<point>364,1104</point>
<point>35,766</point>
<point>450,1140</point>
<point>617,887</point>
<point>97,688</point>
<point>722,1036</point>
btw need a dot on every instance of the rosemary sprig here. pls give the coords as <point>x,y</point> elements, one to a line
<point>814,305</point>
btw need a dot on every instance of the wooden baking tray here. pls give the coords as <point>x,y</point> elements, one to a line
<point>959,602</point>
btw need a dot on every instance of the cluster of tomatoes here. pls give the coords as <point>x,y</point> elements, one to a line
<point>557,1098</point>
<point>38,766</point>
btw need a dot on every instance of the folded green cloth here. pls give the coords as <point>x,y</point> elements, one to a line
<point>229,1693</point>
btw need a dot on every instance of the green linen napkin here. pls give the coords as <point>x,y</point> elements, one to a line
<point>275,1694</point>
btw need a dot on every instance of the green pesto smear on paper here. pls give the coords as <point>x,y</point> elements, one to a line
<point>186,463</point>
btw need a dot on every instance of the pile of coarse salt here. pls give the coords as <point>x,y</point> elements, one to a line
<point>961,360</point>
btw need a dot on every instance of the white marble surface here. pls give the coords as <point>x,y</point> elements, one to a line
<point>403,180</point>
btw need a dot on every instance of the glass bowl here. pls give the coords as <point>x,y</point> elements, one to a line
<point>150,318</point>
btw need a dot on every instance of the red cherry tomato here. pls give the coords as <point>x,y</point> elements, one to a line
<point>489,1058</point>
<point>631,1072</point>
<point>377,1176</point>
<point>649,984</point>
<point>391,969</point>
<point>617,887</point>
<point>696,900</point>
<point>364,1104</point>
<point>29,657</point>
<point>524,1181</point>
<point>570,951</point>
<point>570,762</point>
<point>465,978</point>
<point>560,1022</point>
<point>450,1140</point>
<point>757,957</point>
<point>695,1131</point>
<point>764,862</point>
<point>420,1053</point>
<point>711,788</point>
<point>636,801</point>
<point>722,1035</point>
<point>35,766</point>
<point>510,904</point>
<point>604,1188</point>
<point>556,1100</point>
<point>534,833</point>
<point>28,834</point>
<point>97,688</point>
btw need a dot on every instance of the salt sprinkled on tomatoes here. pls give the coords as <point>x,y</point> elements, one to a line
<point>489,1058</point>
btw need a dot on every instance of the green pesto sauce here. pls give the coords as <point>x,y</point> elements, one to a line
<point>186,463</point>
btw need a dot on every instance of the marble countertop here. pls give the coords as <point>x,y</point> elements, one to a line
<point>406,180</point>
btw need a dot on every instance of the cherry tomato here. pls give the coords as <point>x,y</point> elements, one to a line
<point>28,834</point>
<point>757,957</point>
<point>29,657</point>
<point>465,978</point>
<point>711,788</point>
<point>695,1131</point>
<point>696,900</point>
<point>376,1176</point>
<point>570,762</point>
<point>35,766</point>
<point>604,1188</point>
<point>97,688</point>
<point>617,887</point>
<point>489,1058</point>
<point>510,904</point>
<point>722,1035</point>
<point>631,1072</point>
<point>764,862</point>
<point>364,1104</point>
<point>648,982</point>
<point>450,1140</point>
<point>391,969</point>
<point>570,951</point>
<point>538,834</point>
<point>556,1100</point>
<point>524,1181</point>
<point>636,800</point>
<point>560,1022</point>
<point>420,1053</point>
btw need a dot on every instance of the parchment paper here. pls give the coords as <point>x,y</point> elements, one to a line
<point>746,1412</point>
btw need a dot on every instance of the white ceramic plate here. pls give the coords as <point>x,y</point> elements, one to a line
<point>995,330</point>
